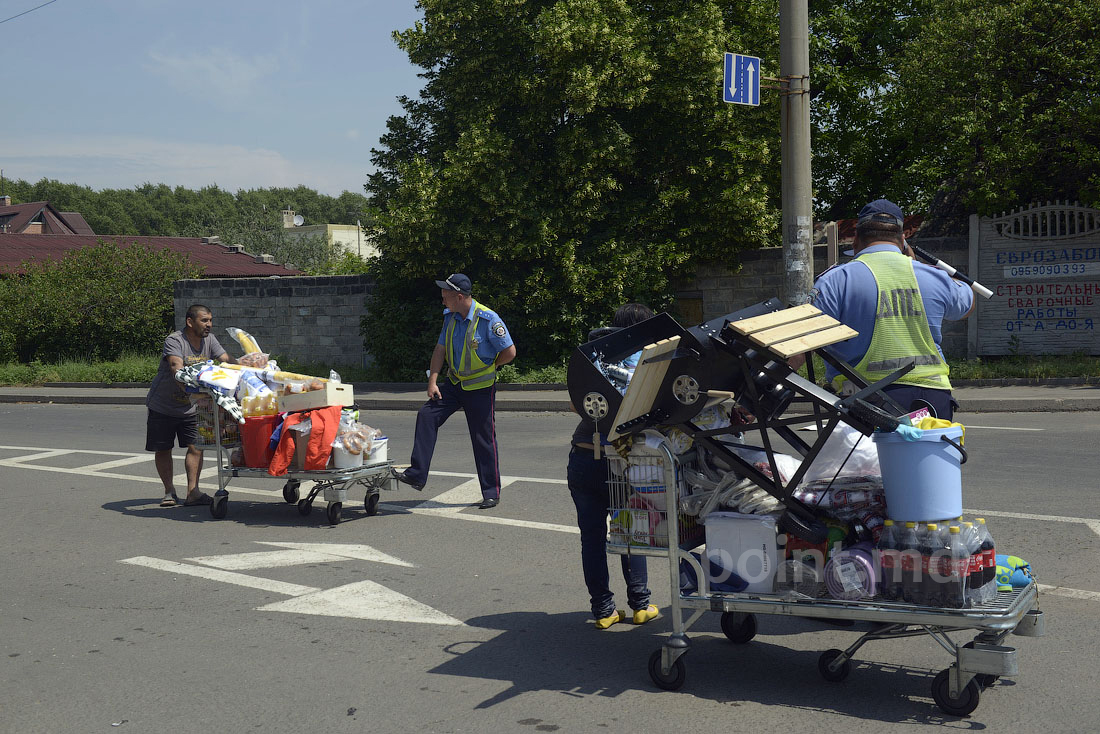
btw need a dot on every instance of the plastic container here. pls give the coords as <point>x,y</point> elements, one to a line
<point>743,545</point>
<point>850,574</point>
<point>344,459</point>
<point>378,450</point>
<point>922,479</point>
<point>256,438</point>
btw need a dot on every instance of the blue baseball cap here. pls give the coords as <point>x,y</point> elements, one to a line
<point>882,210</point>
<point>456,282</point>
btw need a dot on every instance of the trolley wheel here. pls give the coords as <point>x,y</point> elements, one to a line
<point>333,512</point>
<point>371,503</point>
<point>290,491</point>
<point>739,628</point>
<point>833,676</point>
<point>304,507</point>
<point>220,506</point>
<point>675,678</point>
<point>964,705</point>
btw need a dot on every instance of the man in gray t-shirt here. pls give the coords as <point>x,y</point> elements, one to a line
<point>171,414</point>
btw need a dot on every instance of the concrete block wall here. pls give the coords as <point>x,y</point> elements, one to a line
<point>761,277</point>
<point>307,319</point>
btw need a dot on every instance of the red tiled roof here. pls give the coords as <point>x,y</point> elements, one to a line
<point>217,261</point>
<point>15,218</point>
<point>76,221</point>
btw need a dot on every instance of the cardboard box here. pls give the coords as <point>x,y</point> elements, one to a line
<point>744,545</point>
<point>298,458</point>
<point>335,393</point>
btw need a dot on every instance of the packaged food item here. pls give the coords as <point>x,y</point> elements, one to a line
<point>253,357</point>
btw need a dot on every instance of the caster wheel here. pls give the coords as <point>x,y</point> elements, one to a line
<point>220,506</point>
<point>834,676</point>
<point>290,491</point>
<point>371,504</point>
<point>964,705</point>
<point>333,512</point>
<point>305,507</point>
<point>739,628</point>
<point>675,678</point>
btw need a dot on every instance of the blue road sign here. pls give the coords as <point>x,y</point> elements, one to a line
<point>741,82</point>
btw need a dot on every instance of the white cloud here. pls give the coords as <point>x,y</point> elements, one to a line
<point>103,161</point>
<point>214,72</point>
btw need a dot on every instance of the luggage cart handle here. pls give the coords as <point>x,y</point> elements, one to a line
<point>958,448</point>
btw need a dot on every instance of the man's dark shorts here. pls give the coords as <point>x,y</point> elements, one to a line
<point>161,429</point>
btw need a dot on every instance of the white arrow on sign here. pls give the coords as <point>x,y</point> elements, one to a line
<point>751,74</point>
<point>360,600</point>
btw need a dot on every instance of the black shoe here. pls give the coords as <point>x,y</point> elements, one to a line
<point>403,477</point>
<point>489,503</point>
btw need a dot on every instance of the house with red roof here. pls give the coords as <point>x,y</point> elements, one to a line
<point>36,231</point>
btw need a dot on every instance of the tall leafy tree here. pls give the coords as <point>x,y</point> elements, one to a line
<point>568,155</point>
<point>856,49</point>
<point>1000,103</point>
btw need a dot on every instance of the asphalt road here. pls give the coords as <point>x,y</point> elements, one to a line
<point>117,615</point>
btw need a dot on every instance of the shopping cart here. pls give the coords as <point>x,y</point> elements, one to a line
<point>647,485</point>
<point>218,431</point>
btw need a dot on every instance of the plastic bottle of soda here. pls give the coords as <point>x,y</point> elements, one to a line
<point>932,549</point>
<point>954,570</point>
<point>989,556</point>
<point>890,562</point>
<point>976,570</point>
<point>909,547</point>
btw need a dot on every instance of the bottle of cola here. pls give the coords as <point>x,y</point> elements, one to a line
<point>889,554</point>
<point>954,569</point>
<point>976,569</point>
<point>989,558</point>
<point>909,547</point>
<point>933,547</point>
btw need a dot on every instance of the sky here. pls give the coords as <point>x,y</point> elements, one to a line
<point>243,94</point>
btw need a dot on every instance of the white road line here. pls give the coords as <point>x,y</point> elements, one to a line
<point>75,451</point>
<point>490,519</point>
<point>214,574</point>
<point>1093,525</point>
<point>117,463</point>
<point>363,600</point>
<point>345,550</point>
<point>1071,593</point>
<point>1003,428</point>
<point>48,454</point>
<point>264,559</point>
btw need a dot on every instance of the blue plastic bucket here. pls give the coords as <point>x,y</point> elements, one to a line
<point>922,479</point>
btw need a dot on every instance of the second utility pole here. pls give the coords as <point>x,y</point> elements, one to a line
<point>794,127</point>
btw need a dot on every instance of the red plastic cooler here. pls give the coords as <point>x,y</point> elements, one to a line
<point>256,439</point>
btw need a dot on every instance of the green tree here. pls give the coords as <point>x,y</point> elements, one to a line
<point>1000,103</point>
<point>97,302</point>
<point>856,48</point>
<point>568,156</point>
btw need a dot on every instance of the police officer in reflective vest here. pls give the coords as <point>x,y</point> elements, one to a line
<point>898,306</point>
<point>473,343</point>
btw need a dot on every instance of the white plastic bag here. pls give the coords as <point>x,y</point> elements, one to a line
<point>846,453</point>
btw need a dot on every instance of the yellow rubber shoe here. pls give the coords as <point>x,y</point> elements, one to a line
<point>604,623</point>
<point>641,616</point>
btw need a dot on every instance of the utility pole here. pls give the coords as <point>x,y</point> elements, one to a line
<point>794,127</point>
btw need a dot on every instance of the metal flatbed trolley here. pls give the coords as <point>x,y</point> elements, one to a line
<point>215,432</point>
<point>743,356</point>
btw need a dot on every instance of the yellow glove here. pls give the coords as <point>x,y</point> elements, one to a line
<point>930,424</point>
